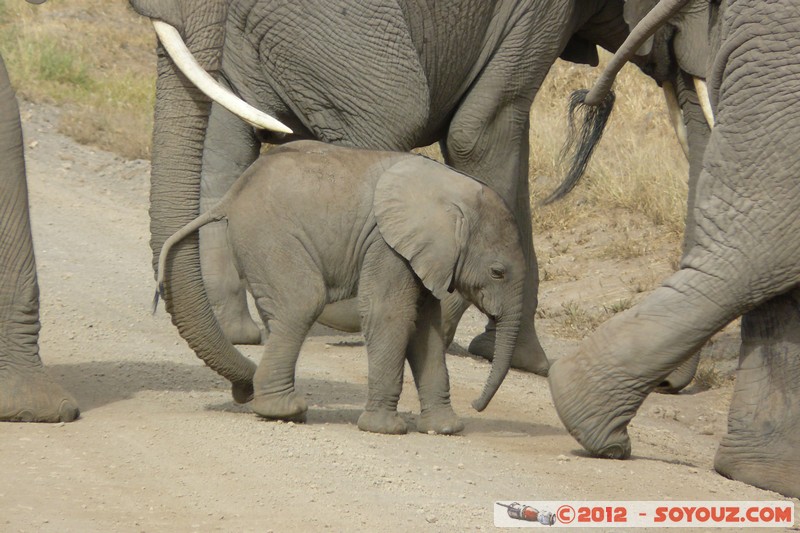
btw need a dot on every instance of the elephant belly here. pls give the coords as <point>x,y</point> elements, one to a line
<point>378,81</point>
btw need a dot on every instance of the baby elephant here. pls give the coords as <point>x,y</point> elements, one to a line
<point>311,224</point>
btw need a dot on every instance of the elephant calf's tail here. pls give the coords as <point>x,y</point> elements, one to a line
<point>211,215</point>
<point>580,143</point>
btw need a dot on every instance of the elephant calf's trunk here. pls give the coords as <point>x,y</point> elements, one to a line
<point>505,342</point>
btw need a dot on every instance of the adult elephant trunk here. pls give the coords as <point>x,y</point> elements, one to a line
<point>181,118</point>
<point>505,342</point>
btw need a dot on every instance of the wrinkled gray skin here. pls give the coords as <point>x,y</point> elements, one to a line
<point>27,393</point>
<point>408,232</point>
<point>675,54</point>
<point>463,73</point>
<point>742,259</point>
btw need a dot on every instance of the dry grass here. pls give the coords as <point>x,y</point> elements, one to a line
<point>638,165</point>
<point>95,58</point>
<point>575,320</point>
<point>710,376</point>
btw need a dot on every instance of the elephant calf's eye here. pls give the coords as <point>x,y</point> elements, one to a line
<point>498,272</point>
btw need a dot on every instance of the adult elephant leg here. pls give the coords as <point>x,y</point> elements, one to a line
<point>697,137</point>
<point>598,389</point>
<point>763,439</point>
<point>27,393</point>
<point>744,253</point>
<point>679,378</point>
<point>496,150</point>
<point>230,147</point>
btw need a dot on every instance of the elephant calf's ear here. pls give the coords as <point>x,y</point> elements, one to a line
<point>422,210</point>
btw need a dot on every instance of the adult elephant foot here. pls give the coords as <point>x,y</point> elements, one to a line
<point>382,421</point>
<point>680,377</point>
<point>528,355</point>
<point>598,389</point>
<point>32,396</point>
<point>442,421</point>
<point>763,436</point>
<point>287,406</point>
<point>580,390</point>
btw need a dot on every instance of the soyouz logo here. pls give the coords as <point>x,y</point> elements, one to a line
<point>621,514</point>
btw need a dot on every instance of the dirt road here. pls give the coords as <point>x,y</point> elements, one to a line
<point>160,445</point>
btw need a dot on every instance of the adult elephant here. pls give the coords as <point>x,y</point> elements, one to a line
<point>675,56</point>
<point>27,393</point>
<point>389,75</point>
<point>742,259</point>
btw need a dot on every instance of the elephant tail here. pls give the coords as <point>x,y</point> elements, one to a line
<point>599,101</point>
<point>212,215</point>
<point>581,141</point>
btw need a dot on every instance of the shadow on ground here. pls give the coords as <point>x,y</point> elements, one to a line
<point>100,383</point>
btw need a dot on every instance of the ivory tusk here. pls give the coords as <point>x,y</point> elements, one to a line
<point>186,62</point>
<point>676,116</point>
<point>701,89</point>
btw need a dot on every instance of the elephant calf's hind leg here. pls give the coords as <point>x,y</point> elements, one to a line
<point>275,395</point>
<point>274,381</point>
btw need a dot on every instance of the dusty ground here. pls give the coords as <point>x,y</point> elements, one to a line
<point>161,447</point>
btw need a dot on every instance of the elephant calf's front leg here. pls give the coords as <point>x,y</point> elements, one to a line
<point>388,294</point>
<point>426,356</point>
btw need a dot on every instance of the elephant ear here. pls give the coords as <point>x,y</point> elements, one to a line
<point>633,12</point>
<point>423,210</point>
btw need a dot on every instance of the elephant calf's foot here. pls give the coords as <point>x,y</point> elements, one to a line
<point>442,421</point>
<point>283,406</point>
<point>31,396</point>
<point>382,421</point>
<point>529,359</point>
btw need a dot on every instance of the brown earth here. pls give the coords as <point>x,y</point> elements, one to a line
<point>160,446</point>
